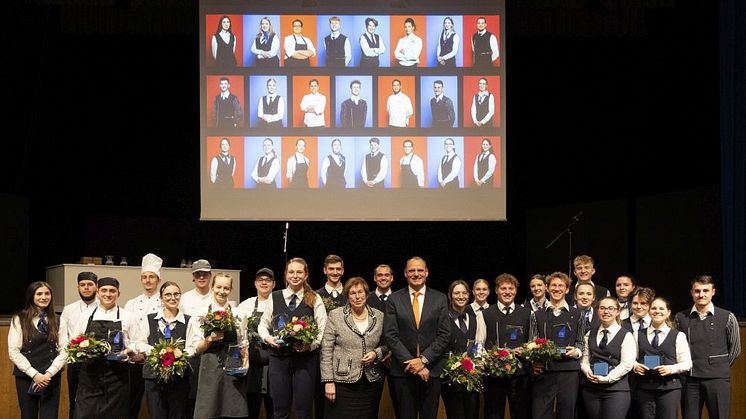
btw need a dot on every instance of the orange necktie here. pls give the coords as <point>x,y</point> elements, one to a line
<point>416,308</point>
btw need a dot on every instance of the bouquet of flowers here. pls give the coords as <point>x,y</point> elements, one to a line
<point>300,331</point>
<point>219,321</point>
<point>252,328</point>
<point>168,360</point>
<point>501,362</point>
<point>463,372</point>
<point>85,348</point>
<point>541,350</point>
<point>329,304</point>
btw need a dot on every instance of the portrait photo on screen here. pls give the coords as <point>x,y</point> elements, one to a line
<point>311,101</point>
<point>225,162</point>
<point>263,41</point>
<point>482,101</point>
<point>439,105</point>
<point>298,46</point>
<point>354,101</point>
<point>268,101</point>
<point>224,41</point>
<point>409,155</point>
<point>482,45</point>
<point>372,41</point>
<point>374,171</point>
<point>334,40</point>
<point>225,101</point>
<point>396,99</point>
<point>409,44</point>
<point>301,162</point>
<point>263,162</point>
<point>337,162</point>
<point>482,159</point>
<point>445,162</point>
<point>446,36</point>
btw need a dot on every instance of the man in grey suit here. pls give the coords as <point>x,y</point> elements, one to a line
<point>417,332</point>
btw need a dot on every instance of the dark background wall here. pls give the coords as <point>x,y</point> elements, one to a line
<point>612,110</point>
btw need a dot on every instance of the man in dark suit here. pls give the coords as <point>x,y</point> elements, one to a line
<point>383,276</point>
<point>417,331</point>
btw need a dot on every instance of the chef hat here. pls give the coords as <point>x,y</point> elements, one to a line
<point>152,263</point>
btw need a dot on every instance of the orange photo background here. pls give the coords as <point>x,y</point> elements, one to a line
<point>309,31</point>
<point>213,89</point>
<point>472,148</point>
<point>471,87</point>
<point>211,26</point>
<point>213,149</point>
<point>396,28</point>
<point>470,28</point>
<point>397,152</point>
<point>311,152</point>
<point>384,91</point>
<point>300,89</point>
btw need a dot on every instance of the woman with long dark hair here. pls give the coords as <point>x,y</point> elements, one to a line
<point>224,44</point>
<point>36,353</point>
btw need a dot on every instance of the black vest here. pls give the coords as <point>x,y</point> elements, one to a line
<point>375,302</point>
<point>352,115</point>
<point>459,339</point>
<point>262,170</point>
<point>339,301</point>
<point>224,55</point>
<point>270,108</point>
<point>335,51</point>
<point>155,335</point>
<point>335,174</point>
<point>442,112</point>
<point>483,108</point>
<point>611,354</point>
<point>366,61</point>
<point>667,352</point>
<point>483,165</point>
<point>224,174</point>
<point>266,62</point>
<point>507,331</point>
<point>482,49</point>
<point>225,114</point>
<point>549,326</point>
<point>373,166</point>
<point>708,342</point>
<point>446,165</point>
<point>446,46</point>
<point>39,352</point>
<point>279,307</point>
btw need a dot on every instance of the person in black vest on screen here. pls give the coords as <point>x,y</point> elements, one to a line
<point>383,276</point>
<point>483,106</point>
<point>715,343</point>
<point>224,44</point>
<point>484,45</point>
<point>293,370</point>
<point>557,380</point>
<point>338,51</point>
<point>441,108</point>
<point>450,166</point>
<point>271,108</point>
<point>609,356</point>
<point>334,168</point>
<point>663,354</point>
<point>266,45</point>
<point>371,44</point>
<point>354,111</point>
<point>37,353</point>
<point>223,166</point>
<point>226,108</point>
<point>167,400</point>
<point>448,44</point>
<point>266,168</point>
<point>508,326</point>
<point>485,165</point>
<point>375,165</point>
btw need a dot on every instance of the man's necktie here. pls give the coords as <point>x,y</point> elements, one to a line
<point>293,302</point>
<point>462,322</point>
<point>507,310</point>
<point>642,325</point>
<point>604,340</point>
<point>416,308</point>
<point>42,324</point>
<point>655,342</point>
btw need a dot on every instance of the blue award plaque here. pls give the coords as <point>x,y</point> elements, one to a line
<point>652,361</point>
<point>116,339</point>
<point>234,363</point>
<point>601,369</point>
<point>278,323</point>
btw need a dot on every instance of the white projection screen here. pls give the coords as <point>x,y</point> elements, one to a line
<point>356,111</point>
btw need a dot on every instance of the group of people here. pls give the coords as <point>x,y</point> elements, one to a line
<point>620,355</point>
<point>298,49</point>
<point>374,168</point>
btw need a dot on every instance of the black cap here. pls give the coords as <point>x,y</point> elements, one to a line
<point>87,276</point>
<point>265,271</point>
<point>108,281</point>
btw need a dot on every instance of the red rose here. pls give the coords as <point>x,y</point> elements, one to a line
<point>167,359</point>
<point>503,354</point>
<point>77,340</point>
<point>540,341</point>
<point>302,323</point>
<point>467,364</point>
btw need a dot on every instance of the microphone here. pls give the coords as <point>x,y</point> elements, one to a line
<point>577,216</point>
<point>285,244</point>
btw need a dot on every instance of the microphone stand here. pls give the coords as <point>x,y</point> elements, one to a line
<point>285,242</point>
<point>568,229</point>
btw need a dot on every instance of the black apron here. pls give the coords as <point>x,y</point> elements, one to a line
<point>408,178</point>
<point>103,390</point>
<point>300,177</point>
<point>258,360</point>
<point>295,62</point>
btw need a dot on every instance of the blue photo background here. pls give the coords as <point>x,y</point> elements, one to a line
<point>253,151</point>
<point>251,28</point>
<point>257,89</point>
<point>342,93</point>
<point>348,151</point>
<point>435,152</point>
<point>434,30</point>
<point>450,90</point>
<point>362,149</point>
<point>357,28</point>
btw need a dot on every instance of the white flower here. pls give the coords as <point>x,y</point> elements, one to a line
<point>177,353</point>
<point>84,344</point>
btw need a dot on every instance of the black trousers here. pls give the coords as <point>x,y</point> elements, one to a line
<point>42,406</point>
<point>137,389</point>
<point>293,380</point>
<point>73,370</point>
<point>167,400</point>
<point>517,391</point>
<point>416,397</point>
<point>551,385</point>
<point>600,403</point>
<point>459,404</point>
<point>255,405</point>
<point>711,392</point>
<point>656,404</point>
<point>379,393</point>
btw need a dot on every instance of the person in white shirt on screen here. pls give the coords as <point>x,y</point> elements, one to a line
<point>266,45</point>
<point>266,167</point>
<point>338,51</point>
<point>371,44</point>
<point>313,104</point>
<point>224,44</point>
<point>448,43</point>
<point>223,166</point>
<point>271,107</point>
<point>412,168</point>
<point>449,167</point>
<point>298,48</point>
<point>484,164</point>
<point>297,166</point>
<point>409,47</point>
<point>484,45</point>
<point>483,106</point>
<point>375,165</point>
<point>399,106</point>
<point>334,167</point>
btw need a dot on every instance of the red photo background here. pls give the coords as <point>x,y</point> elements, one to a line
<point>309,31</point>
<point>472,148</point>
<point>211,26</point>
<point>396,28</point>
<point>288,150</point>
<point>397,152</point>
<point>470,28</point>
<point>384,91</point>
<point>300,89</point>
<point>471,87</point>
<point>213,89</point>
<point>213,149</point>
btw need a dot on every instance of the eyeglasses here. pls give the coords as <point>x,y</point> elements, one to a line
<point>609,309</point>
<point>172,295</point>
<point>263,279</point>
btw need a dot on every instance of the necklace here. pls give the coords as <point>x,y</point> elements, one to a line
<point>363,317</point>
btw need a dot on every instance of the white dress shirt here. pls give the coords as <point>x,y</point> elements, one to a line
<point>628,355</point>
<point>274,48</point>
<point>246,308</point>
<point>133,334</point>
<point>491,104</point>
<point>147,348</point>
<point>491,162</point>
<point>271,117</point>
<point>367,50</point>
<point>274,168</point>
<point>319,315</point>
<point>192,301</point>
<point>15,344</point>
<point>314,117</point>
<point>290,41</point>
<point>683,354</point>
<point>195,334</point>
<point>454,51</point>
<point>70,316</point>
<point>380,176</point>
<point>476,307</point>
<point>455,169</point>
<point>399,107</point>
<point>214,167</point>
<point>408,50</point>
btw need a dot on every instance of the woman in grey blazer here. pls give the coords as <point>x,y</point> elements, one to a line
<point>351,351</point>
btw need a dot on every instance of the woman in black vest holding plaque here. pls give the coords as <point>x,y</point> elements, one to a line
<point>167,400</point>
<point>36,354</point>
<point>467,334</point>
<point>663,354</point>
<point>293,370</point>
<point>609,355</point>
